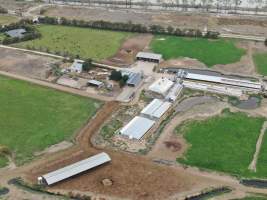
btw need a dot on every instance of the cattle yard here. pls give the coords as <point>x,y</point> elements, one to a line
<point>183,121</point>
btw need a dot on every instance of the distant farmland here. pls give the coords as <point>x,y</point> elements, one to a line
<point>6,19</point>
<point>210,52</point>
<point>85,42</point>
<point>33,118</point>
<point>224,143</point>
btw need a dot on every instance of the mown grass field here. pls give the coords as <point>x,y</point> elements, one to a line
<point>33,118</point>
<point>260,61</point>
<point>6,19</point>
<point>210,52</point>
<point>85,42</point>
<point>223,143</point>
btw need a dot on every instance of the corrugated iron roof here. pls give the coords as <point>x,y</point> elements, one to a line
<point>137,127</point>
<point>76,168</point>
<point>148,55</point>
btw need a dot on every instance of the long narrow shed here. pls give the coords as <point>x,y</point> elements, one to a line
<point>74,169</point>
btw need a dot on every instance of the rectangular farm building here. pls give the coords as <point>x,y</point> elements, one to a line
<point>149,57</point>
<point>156,109</point>
<point>161,86</point>
<point>74,169</point>
<point>137,127</point>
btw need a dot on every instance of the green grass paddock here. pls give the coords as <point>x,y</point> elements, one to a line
<point>260,61</point>
<point>85,42</point>
<point>223,143</point>
<point>210,52</point>
<point>33,117</point>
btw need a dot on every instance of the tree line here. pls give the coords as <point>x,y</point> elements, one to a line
<point>129,27</point>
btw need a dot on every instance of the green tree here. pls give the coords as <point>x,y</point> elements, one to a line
<point>87,65</point>
<point>115,75</point>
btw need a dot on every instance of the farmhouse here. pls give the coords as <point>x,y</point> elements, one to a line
<point>137,127</point>
<point>161,86</point>
<point>77,66</point>
<point>16,33</point>
<point>74,169</point>
<point>149,57</point>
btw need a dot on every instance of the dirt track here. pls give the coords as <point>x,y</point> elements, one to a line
<point>134,177</point>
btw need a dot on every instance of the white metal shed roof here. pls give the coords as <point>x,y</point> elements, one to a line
<point>162,109</point>
<point>95,82</point>
<point>148,55</point>
<point>156,108</point>
<point>229,81</point>
<point>152,107</point>
<point>76,168</point>
<point>137,127</point>
<point>161,86</point>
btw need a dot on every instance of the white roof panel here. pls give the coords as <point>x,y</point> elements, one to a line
<point>156,108</point>
<point>161,86</point>
<point>76,168</point>
<point>152,107</point>
<point>137,127</point>
<point>162,109</point>
<point>148,55</point>
<point>229,81</point>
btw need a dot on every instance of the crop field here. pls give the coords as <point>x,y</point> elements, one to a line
<point>260,61</point>
<point>5,19</point>
<point>223,143</point>
<point>33,118</point>
<point>85,42</point>
<point>210,52</point>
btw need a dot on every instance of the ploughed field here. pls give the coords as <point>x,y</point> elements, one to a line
<point>225,143</point>
<point>260,61</point>
<point>33,118</point>
<point>209,52</point>
<point>85,42</point>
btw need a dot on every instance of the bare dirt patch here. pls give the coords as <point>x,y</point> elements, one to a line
<point>129,49</point>
<point>133,177</point>
<point>29,65</point>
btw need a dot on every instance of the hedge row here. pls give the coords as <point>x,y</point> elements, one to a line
<point>129,27</point>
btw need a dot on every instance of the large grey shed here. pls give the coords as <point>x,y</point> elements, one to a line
<point>149,57</point>
<point>74,169</point>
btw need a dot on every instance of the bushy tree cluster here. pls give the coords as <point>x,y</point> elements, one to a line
<point>130,27</point>
<point>117,76</point>
<point>31,32</point>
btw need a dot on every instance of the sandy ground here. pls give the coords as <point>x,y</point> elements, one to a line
<point>134,177</point>
<point>29,65</point>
